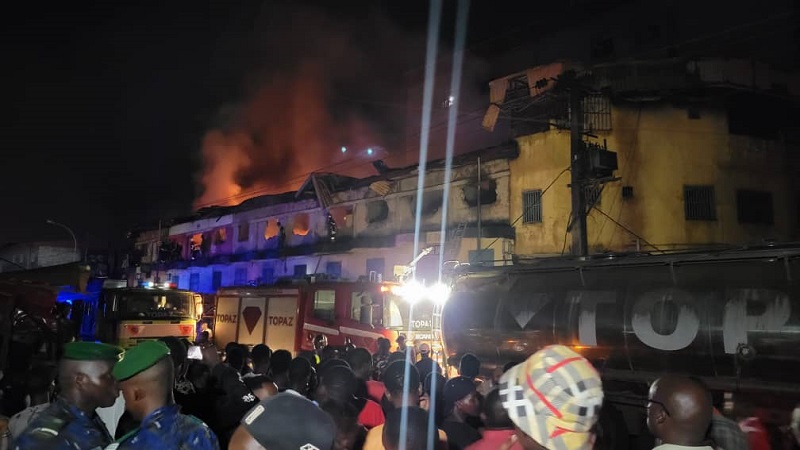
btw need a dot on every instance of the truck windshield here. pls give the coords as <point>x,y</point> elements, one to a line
<point>396,314</point>
<point>154,304</point>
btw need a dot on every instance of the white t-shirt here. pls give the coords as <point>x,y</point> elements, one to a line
<point>110,416</point>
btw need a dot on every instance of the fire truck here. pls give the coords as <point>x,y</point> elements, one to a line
<point>288,315</point>
<point>731,318</point>
<point>104,309</point>
<point>112,312</point>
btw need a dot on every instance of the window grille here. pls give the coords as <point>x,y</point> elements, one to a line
<point>699,203</point>
<point>532,206</point>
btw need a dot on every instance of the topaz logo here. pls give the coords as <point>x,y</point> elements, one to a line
<point>251,315</point>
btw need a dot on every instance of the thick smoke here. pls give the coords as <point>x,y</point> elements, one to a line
<point>306,97</point>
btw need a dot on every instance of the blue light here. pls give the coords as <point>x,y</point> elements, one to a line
<point>344,149</point>
<point>369,151</point>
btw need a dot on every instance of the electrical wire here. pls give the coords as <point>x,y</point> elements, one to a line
<point>628,229</point>
<point>525,211</point>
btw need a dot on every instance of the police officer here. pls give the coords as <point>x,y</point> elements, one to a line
<point>86,383</point>
<point>145,375</point>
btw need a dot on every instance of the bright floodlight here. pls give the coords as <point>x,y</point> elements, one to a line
<point>412,292</point>
<point>369,151</point>
<point>439,293</point>
<point>344,149</point>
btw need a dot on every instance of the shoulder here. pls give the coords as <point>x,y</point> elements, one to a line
<point>49,422</point>
<point>197,434</point>
<point>46,431</point>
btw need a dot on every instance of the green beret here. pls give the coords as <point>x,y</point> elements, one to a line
<point>91,351</point>
<point>139,358</point>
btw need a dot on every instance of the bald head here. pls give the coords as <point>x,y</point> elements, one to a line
<point>243,440</point>
<point>679,410</point>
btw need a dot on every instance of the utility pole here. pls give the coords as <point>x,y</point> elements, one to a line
<point>580,245</point>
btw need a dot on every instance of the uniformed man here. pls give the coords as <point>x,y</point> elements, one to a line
<point>145,375</point>
<point>86,383</point>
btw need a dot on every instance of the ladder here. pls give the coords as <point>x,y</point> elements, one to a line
<point>454,241</point>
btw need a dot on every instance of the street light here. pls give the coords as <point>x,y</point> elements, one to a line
<point>74,241</point>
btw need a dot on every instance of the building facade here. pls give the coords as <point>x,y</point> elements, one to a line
<point>32,255</point>
<point>345,228</point>
<point>705,154</point>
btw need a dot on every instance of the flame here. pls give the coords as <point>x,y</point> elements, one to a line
<point>271,229</point>
<point>300,225</point>
<point>282,134</point>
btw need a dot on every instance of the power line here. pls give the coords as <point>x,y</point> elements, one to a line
<point>525,211</point>
<point>627,229</point>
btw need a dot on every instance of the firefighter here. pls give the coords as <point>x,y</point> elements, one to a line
<point>85,383</point>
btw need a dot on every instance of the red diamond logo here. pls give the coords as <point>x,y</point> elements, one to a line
<point>251,316</point>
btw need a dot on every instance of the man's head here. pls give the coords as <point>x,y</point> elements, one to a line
<point>279,363</point>
<point>384,345</point>
<point>145,375</point>
<point>236,358</point>
<point>204,325</point>
<point>40,380</point>
<point>338,384</point>
<point>261,386</point>
<point>493,415</point>
<point>402,384</point>
<point>470,366</point>
<point>261,355</point>
<point>84,375</point>
<point>415,435</point>
<point>401,341</point>
<point>320,342</point>
<point>425,350</point>
<point>300,375</point>
<point>177,352</point>
<point>461,398</point>
<point>679,410</point>
<point>554,399</point>
<point>284,421</point>
<point>360,361</point>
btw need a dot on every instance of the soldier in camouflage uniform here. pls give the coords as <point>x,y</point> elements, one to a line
<point>145,374</point>
<point>85,382</point>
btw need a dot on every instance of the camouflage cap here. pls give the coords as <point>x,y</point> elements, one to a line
<point>91,351</point>
<point>139,358</point>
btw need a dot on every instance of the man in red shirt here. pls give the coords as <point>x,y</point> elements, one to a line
<point>499,427</point>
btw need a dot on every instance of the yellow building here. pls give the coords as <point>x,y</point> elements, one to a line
<point>702,160</point>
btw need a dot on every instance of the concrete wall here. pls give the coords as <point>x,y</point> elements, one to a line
<point>659,149</point>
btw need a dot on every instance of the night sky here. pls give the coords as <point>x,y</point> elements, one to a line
<point>110,107</point>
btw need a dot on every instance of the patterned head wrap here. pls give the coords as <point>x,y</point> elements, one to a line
<point>554,397</point>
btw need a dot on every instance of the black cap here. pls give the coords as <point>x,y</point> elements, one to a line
<point>288,421</point>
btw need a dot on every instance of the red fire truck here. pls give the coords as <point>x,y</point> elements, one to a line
<point>289,315</point>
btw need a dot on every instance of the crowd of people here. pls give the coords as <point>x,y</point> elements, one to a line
<point>175,395</point>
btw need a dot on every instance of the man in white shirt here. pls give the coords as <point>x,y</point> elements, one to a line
<point>679,412</point>
<point>40,386</point>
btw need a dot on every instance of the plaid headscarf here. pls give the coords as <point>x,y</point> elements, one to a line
<point>554,397</point>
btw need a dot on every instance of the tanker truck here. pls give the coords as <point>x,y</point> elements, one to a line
<point>730,318</point>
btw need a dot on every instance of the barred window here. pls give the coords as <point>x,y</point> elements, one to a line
<point>699,203</point>
<point>532,206</point>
